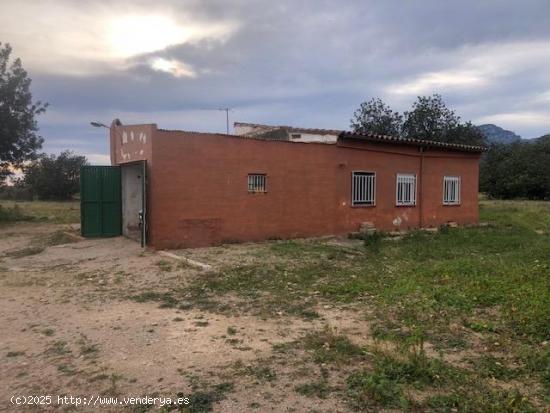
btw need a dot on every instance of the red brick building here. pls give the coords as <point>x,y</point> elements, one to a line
<point>207,189</point>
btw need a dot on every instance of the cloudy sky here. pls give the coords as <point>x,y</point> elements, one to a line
<point>303,63</point>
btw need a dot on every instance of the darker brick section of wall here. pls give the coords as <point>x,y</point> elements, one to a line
<point>198,193</point>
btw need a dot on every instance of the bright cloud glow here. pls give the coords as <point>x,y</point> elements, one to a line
<point>437,81</point>
<point>82,38</point>
<point>132,35</point>
<point>174,67</point>
<point>477,66</point>
<point>518,119</point>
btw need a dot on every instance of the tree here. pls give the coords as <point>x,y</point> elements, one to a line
<point>430,119</point>
<point>518,170</point>
<point>376,117</point>
<point>54,177</point>
<point>19,140</point>
<point>466,134</point>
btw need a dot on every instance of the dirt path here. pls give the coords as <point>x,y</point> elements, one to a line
<point>69,328</point>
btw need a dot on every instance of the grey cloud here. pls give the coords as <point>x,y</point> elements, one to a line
<point>311,63</point>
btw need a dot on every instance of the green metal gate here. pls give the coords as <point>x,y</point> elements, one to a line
<point>100,201</point>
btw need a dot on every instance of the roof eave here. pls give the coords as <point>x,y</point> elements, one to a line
<point>412,142</point>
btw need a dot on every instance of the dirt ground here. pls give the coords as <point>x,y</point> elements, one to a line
<point>70,327</point>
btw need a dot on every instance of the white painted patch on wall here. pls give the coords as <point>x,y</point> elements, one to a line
<point>397,221</point>
<point>132,135</point>
<point>124,138</point>
<point>142,137</point>
<point>125,156</point>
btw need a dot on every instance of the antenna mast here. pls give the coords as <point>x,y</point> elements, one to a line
<point>226,110</point>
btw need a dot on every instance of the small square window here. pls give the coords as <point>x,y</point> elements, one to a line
<point>256,182</point>
<point>363,188</point>
<point>451,190</point>
<point>296,136</point>
<point>406,189</point>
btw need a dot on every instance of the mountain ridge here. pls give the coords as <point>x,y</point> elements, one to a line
<point>495,134</point>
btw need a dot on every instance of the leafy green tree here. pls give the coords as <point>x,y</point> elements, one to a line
<point>466,134</point>
<point>54,177</point>
<point>19,140</point>
<point>518,170</point>
<point>376,117</point>
<point>430,119</point>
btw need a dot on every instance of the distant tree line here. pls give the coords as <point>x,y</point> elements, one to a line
<point>49,177</point>
<point>517,170</point>
<point>45,176</point>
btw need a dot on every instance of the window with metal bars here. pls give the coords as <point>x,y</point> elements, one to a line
<point>256,182</point>
<point>363,188</point>
<point>451,190</point>
<point>405,189</point>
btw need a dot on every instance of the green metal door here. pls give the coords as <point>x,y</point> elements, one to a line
<point>100,201</point>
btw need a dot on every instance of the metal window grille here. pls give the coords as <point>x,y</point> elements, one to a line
<point>451,190</point>
<point>363,188</point>
<point>256,183</point>
<point>406,189</point>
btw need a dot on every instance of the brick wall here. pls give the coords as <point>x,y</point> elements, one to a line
<point>198,193</point>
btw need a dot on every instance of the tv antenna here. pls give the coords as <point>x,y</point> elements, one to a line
<point>226,110</point>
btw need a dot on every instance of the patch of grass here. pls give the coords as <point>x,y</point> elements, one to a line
<point>417,369</point>
<point>113,384</point>
<point>67,212</point>
<point>366,389</point>
<point>58,238</point>
<point>48,332</point>
<point>203,401</point>
<point>262,373</point>
<point>393,374</point>
<point>98,377</point>
<point>319,389</point>
<point>67,369</point>
<point>59,348</point>
<point>372,240</point>
<point>231,331</point>
<point>164,265</point>
<point>166,299</point>
<point>330,347</point>
<point>13,214</point>
<point>24,252</point>
<point>480,327</point>
<point>537,361</point>
<point>87,349</point>
<point>15,353</point>
<point>201,323</point>
<point>489,366</point>
<point>479,399</point>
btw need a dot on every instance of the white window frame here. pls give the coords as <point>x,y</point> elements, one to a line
<point>451,190</point>
<point>364,196</point>
<point>405,198</point>
<point>257,183</point>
